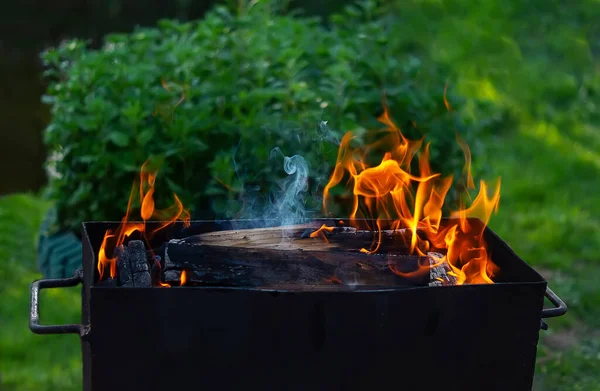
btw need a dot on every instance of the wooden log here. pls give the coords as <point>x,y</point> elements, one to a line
<point>277,237</point>
<point>132,265</point>
<point>221,265</point>
<point>299,238</point>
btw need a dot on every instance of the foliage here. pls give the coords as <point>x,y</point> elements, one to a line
<point>29,361</point>
<point>251,80</point>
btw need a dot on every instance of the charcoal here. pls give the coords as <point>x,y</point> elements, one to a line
<point>439,273</point>
<point>132,265</point>
<point>172,276</point>
<point>108,282</point>
<point>142,279</point>
<point>123,266</point>
<point>137,256</point>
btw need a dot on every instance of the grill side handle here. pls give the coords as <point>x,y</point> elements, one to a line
<point>560,308</point>
<point>34,309</point>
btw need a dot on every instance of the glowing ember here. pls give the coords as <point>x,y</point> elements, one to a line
<point>183,278</point>
<point>333,280</point>
<point>114,238</point>
<point>387,192</point>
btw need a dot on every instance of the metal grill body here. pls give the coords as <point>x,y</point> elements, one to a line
<point>469,337</point>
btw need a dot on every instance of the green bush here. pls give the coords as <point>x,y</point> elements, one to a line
<point>251,79</point>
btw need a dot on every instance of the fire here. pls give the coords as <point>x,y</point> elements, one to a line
<point>321,232</point>
<point>389,191</point>
<point>143,190</point>
<point>183,278</point>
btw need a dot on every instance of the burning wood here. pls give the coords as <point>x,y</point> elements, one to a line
<point>232,266</point>
<point>289,257</point>
<point>280,257</point>
<point>440,273</point>
<point>132,265</point>
<point>302,237</point>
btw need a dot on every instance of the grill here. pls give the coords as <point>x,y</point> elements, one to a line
<point>252,336</point>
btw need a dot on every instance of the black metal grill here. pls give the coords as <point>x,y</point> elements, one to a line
<point>467,337</point>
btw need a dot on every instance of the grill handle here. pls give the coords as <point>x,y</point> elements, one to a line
<point>34,309</point>
<point>560,308</point>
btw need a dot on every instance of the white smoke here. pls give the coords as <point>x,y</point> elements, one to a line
<point>291,200</point>
<point>287,204</point>
<point>327,134</point>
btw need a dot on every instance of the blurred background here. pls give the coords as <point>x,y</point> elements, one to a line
<point>89,90</point>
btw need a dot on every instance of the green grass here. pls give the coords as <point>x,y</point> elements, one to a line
<point>537,62</point>
<point>549,215</point>
<point>29,361</point>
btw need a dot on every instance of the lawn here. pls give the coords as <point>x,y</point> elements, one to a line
<point>29,361</point>
<point>535,60</point>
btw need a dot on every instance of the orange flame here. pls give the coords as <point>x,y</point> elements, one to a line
<point>387,192</point>
<point>114,238</point>
<point>183,278</point>
<point>446,103</point>
<point>321,232</point>
<point>164,109</point>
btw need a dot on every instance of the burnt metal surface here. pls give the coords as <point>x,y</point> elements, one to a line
<point>468,337</point>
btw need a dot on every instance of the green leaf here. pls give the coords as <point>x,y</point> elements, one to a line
<point>120,139</point>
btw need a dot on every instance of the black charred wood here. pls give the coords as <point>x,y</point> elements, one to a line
<point>108,282</point>
<point>132,265</point>
<point>124,273</point>
<point>236,266</point>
